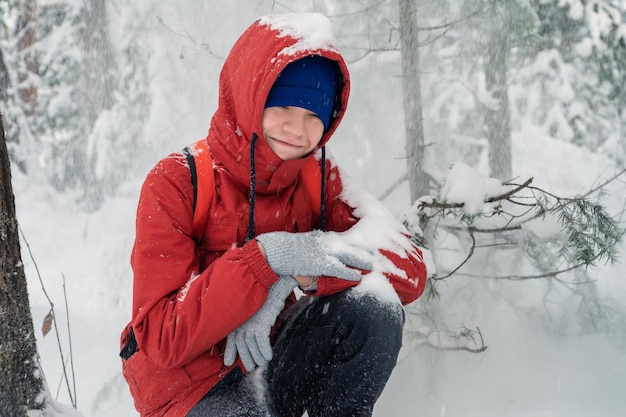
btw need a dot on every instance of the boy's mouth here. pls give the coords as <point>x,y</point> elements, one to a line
<point>286,144</point>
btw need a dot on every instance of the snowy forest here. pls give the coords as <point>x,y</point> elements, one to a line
<point>494,129</point>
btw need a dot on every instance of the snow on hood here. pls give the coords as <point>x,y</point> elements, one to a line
<point>311,30</point>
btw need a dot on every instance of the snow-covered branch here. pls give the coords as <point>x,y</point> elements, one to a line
<point>575,231</point>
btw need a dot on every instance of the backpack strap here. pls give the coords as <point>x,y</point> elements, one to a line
<point>200,164</point>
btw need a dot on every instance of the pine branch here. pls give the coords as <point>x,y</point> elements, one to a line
<point>590,233</point>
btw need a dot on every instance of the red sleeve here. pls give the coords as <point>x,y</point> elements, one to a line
<point>340,217</point>
<point>178,313</point>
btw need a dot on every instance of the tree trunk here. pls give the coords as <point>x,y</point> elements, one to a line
<point>96,78</point>
<point>97,86</point>
<point>4,79</point>
<point>498,119</point>
<point>412,96</point>
<point>27,70</point>
<point>20,382</point>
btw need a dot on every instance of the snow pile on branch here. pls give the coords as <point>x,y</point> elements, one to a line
<point>471,188</point>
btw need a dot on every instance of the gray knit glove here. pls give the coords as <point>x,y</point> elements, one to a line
<point>252,339</point>
<point>315,253</point>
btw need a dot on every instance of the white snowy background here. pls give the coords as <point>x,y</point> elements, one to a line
<point>540,361</point>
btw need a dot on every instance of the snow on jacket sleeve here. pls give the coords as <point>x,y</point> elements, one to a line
<point>406,271</point>
<point>178,313</point>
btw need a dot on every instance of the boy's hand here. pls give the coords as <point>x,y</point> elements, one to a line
<point>313,254</point>
<point>252,339</point>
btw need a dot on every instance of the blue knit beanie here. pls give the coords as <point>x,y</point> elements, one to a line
<point>310,83</point>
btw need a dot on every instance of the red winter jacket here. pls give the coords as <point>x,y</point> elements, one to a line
<point>190,292</point>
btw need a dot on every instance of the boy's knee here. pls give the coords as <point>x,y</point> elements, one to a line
<point>367,307</point>
<point>370,319</point>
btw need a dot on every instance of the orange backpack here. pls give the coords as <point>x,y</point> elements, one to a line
<point>203,181</point>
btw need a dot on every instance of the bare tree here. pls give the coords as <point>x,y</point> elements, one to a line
<point>4,78</point>
<point>412,96</point>
<point>97,82</point>
<point>20,384</point>
<point>498,116</point>
<point>96,91</point>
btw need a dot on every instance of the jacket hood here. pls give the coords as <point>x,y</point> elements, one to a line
<point>253,64</point>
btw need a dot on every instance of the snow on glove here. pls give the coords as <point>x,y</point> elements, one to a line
<point>252,339</point>
<point>315,253</point>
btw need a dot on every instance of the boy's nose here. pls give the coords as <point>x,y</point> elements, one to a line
<point>294,125</point>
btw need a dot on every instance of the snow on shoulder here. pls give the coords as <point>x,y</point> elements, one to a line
<point>376,229</point>
<point>312,30</point>
<point>466,185</point>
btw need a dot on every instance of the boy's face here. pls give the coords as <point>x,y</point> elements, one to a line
<point>291,132</point>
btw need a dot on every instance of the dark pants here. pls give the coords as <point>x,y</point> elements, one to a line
<point>332,358</point>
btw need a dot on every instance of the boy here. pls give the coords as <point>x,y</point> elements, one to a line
<point>206,302</point>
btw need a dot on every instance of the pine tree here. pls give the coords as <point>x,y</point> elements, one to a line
<point>88,120</point>
<point>583,84</point>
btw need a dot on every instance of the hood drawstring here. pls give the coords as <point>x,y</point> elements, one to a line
<point>323,187</point>
<point>252,196</point>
